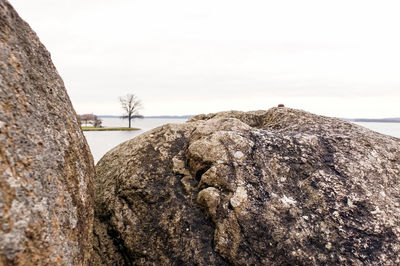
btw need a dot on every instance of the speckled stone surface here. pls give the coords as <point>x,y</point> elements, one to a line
<point>46,169</point>
<point>272,187</point>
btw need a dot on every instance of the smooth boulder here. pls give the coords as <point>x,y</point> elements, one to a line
<point>46,169</point>
<point>273,187</point>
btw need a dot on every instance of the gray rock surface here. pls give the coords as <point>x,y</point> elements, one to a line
<point>272,187</point>
<point>46,169</point>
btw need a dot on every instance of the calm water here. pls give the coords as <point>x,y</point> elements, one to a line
<point>100,142</point>
<point>392,129</point>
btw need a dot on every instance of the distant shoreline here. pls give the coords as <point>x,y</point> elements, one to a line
<point>109,128</point>
<point>376,120</point>
<point>370,120</point>
<point>153,116</point>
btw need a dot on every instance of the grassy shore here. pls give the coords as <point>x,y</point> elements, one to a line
<point>109,128</point>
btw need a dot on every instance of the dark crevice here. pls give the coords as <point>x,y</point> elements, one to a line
<point>202,170</point>
<point>121,247</point>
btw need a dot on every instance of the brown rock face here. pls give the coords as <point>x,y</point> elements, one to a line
<point>46,169</point>
<point>272,187</point>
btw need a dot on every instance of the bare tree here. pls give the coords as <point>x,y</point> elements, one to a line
<point>131,106</point>
<point>85,118</point>
<point>97,122</point>
<point>90,119</point>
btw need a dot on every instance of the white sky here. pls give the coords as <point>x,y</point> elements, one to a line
<point>337,58</point>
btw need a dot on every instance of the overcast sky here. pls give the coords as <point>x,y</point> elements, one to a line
<point>337,58</point>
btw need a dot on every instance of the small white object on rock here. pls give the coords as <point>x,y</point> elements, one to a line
<point>350,203</point>
<point>239,197</point>
<point>288,201</point>
<point>238,154</point>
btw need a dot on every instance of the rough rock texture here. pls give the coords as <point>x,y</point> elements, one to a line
<point>46,169</point>
<point>272,187</point>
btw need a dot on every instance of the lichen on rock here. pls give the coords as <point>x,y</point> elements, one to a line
<point>273,187</point>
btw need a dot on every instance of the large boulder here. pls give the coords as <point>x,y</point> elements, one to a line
<point>46,169</point>
<point>273,187</point>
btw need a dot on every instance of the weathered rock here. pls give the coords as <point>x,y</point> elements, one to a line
<point>46,169</point>
<point>269,187</point>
